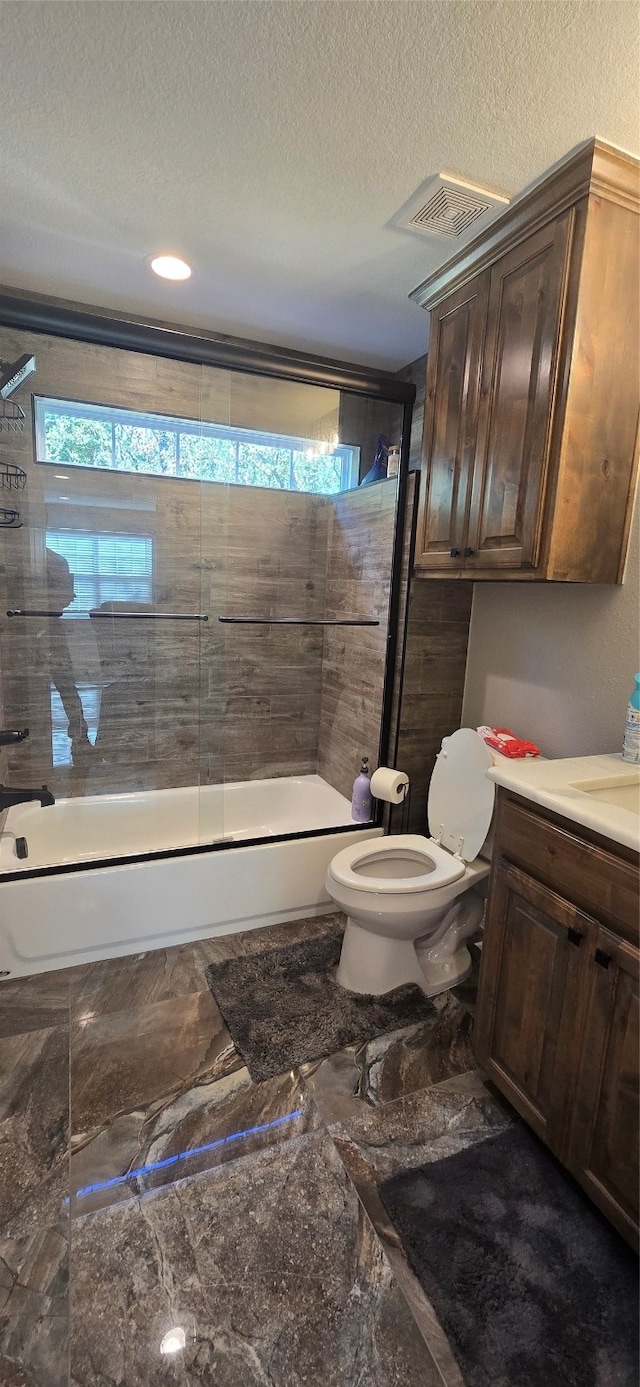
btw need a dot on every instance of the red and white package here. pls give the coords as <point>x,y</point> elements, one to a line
<point>504,741</point>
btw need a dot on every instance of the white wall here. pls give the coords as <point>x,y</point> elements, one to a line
<point>554,662</point>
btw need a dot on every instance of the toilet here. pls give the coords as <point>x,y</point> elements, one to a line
<point>409,899</point>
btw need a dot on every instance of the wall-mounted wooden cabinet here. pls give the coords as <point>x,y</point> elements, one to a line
<point>559,998</point>
<point>531,412</point>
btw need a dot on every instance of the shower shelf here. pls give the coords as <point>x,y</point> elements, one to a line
<point>12,477</point>
<point>295,621</point>
<point>12,417</point>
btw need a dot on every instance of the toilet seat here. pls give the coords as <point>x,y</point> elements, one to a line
<point>429,865</point>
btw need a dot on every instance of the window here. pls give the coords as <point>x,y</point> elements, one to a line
<point>105,567</point>
<point>83,435</point>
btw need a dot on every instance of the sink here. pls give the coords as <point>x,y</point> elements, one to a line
<point>622,790</point>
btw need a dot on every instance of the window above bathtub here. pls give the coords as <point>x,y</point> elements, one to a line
<point>104,568</point>
<point>123,440</point>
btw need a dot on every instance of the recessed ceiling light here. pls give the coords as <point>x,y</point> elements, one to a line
<point>170,267</point>
<point>173,1341</point>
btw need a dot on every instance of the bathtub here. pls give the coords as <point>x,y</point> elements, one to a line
<point>81,895</point>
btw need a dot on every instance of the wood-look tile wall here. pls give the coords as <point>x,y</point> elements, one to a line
<point>359,555</point>
<point>183,702</point>
<point>4,764</point>
<point>432,649</point>
<point>433,682</point>
<point>205,701</point>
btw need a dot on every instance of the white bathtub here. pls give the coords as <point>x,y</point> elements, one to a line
<point>57,914</point>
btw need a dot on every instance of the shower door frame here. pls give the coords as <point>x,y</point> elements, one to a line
<point>56,320</point>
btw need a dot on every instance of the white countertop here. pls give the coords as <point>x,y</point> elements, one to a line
<point>549,783</point>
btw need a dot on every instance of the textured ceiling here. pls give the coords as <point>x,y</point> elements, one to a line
<point>272,144</point>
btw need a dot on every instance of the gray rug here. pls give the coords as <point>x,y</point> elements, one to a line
<point>529,1281</point>
<point>282,1007</point>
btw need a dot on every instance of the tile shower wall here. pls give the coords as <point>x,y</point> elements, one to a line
<point>433,683</point>
<point>4,764</point>
<point>182,702</point>
<point>268,681</point>
<point>432,651</point>
<point>359,553</point>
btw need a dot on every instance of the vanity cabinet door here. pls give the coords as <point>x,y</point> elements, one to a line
<point>451,421</point>
<point>605,1134</point>
<point>525,313</point>
<point>535,958</point>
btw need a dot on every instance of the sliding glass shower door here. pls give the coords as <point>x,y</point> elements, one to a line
<point>194,601</point>
<point>102,617</point>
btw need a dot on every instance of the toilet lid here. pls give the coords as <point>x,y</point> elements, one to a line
<point>460,805</point>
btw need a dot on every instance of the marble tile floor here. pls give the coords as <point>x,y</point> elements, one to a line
<point>146,1183</point>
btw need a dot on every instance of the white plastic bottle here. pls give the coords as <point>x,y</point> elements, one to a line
<point>361,802</point>
<point>631,743</point>
<point>393,461</point>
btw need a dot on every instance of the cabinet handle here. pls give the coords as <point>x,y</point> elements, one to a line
<point>575,937</point>
<point>602,958</point>
<point>468,553</point>
<point>455,553</point>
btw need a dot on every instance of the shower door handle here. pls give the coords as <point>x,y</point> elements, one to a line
<point>296,621</point>
<point>20,611</point>
<point>116,616</point>
<point>148,616</point>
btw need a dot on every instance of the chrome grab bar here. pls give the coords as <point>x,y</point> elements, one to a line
<point>118,616</point>
<point>296,621</point>
<point>149,616</point>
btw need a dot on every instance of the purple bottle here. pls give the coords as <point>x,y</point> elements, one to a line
<point>361,802</point>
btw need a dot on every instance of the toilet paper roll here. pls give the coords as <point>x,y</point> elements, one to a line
<point>389,785</point>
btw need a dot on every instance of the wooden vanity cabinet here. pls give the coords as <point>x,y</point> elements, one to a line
<point>558,1004</point>
<point>604,1135</point>
<point>531,413</point>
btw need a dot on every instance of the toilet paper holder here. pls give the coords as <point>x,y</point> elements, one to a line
<point>393,787</point>
<point>389,785</point>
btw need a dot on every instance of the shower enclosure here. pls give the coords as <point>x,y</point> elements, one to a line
<point>196,621</point>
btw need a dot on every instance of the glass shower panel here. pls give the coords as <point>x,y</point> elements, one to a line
<point>293,678</point>
<point>199,597</point>
<point>101,656</point>
<point>361,526</point>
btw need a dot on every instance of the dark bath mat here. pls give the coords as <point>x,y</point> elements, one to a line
<point>282,1007</point>
<point>529,1281</point>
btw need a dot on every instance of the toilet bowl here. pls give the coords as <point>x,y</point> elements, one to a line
<point>409,899</point>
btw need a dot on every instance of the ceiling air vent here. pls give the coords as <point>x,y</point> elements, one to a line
<point>447,206</point>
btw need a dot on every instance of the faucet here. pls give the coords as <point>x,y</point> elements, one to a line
<point>8,738</point>
<point>9,797</point>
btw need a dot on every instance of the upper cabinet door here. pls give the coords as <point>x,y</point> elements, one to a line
<point>526,304</point>
<point>451,421</point>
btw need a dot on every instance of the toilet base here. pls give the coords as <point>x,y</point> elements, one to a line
<point>372,965</point>
<point>449,973</point>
